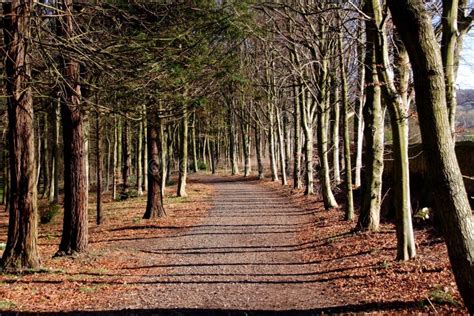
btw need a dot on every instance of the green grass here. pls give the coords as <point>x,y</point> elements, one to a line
<point>6,304</point>
<point>90,289</point>
<point>440,296</point>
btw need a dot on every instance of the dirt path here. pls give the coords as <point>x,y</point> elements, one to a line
<point>245,255</point>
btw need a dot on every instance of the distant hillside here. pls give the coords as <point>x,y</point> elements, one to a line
<point>465,112</point>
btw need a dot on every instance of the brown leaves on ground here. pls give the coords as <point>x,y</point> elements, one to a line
<point>361,266</point>
<point>111,267</point>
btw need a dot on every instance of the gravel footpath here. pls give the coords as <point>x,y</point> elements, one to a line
<point>245,255</point>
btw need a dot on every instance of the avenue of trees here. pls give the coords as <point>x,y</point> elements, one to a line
<point>117,98</point>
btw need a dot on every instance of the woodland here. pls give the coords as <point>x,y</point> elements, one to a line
<point>127,125</point>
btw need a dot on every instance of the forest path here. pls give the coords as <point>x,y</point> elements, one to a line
<point>245,255</point>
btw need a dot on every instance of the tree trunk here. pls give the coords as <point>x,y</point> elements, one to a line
<point>448,46</point>
<point>322,135</point>
<point>183,155</point>
<point>126,155</point>
<point>258,149</point>
<point>359,117</point>
<point>335,136</point>
<point>398,110</point>
<point>281,141</point>
<point>451,204</point>
<point>232,141</point>
<point>115,160</point>
<point>154,204</point>
<point>193,142</point>
<point>54,186</point>
<point>297,139</point>
<point>272,145</point>
<point>139,158</point>
<point>75,231</point>
<point>349,213</point>
<point>98,170</point>
<point>369,217</point>
<point>145,149</point>
<point>21,250</point>
<point>46,160</point>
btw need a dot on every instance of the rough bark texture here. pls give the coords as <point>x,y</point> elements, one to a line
<point>349,210</point>
<point>397,104</point>
<point>374,139</point>
<point>154,203</point>
<point>75,231</point>
<point>21,250</point>
<point>451,203</point>
<point>322,135</point>
<point>183,155</point>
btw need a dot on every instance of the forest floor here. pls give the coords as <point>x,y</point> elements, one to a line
<point>234,245</point>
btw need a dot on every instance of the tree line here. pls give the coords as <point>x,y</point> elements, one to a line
<point>115,97</point>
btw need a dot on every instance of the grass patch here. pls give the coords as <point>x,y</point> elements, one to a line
<point>440,296</point>
<point>6,304</point>
<point>90,289</point>
<point>50,213</point>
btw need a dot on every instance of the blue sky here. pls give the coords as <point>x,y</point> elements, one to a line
<point>466,66</point>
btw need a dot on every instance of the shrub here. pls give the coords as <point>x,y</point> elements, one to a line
<point>49,213</point>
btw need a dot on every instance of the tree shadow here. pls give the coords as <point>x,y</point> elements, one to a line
<point>341,309</point>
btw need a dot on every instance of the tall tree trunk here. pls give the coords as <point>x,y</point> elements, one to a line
<point>126,155</point>
<point>287,141</point>
<point>193,142</point>
<point>258,149</point>
<point>115,160</point>
<point>398,109</point>
<point>75,231</point>
<point>98,170</point>
<point>369,217</point>
<point>349,213</point>
<point>448,46</point>
<point>154,204</point>
<point>307,122</point>
<point>54,186</point>
<point>46,160</point>
<point>139,158</point>
<point>245,126</point>
<point>322,135</point>
<point>281,141</point>
<point>335,136</point>
<point>451,204</point>
<point>108,158</point>
<point>183,154</point>
<point>271,140</point>
<point>145,149</point>
<point>359,117</point>
<point>232,140</point>
<point>21,250</point>
<point>163,154</point>
<point>297,138</point>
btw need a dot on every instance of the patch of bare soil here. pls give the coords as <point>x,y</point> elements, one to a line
<point>361,267</point>
<point>108,276</point>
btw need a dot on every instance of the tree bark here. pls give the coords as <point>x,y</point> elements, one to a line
<point>75,230</point>
<point>98,170</point>
<point>322,135</point>
<point>21,250</point>
<point>154,204</point>
<point>349,212</point>
<point>183,154</point>
<point>139,158</point>
<point>397,103</point>
<point>451,204</point>
<point>193,142</point>
<point>369,217</point>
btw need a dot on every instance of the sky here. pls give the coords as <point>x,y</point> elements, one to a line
<point>466,65</point>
